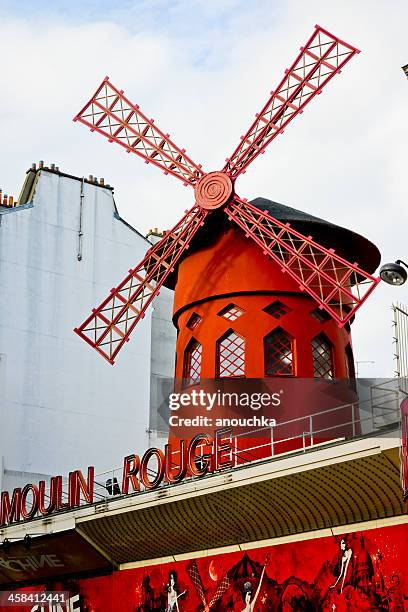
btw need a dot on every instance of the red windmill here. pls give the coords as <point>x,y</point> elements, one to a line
<point>333,286</point>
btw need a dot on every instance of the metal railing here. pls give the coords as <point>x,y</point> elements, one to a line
<point>375,415</point>
<point>400,339</point>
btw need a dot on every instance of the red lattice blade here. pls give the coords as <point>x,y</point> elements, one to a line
<point>195,577</point>
<point>111,114</point>
<point>222,586</point>
<point>323,56</point>
<point>337,285</point>
<point>110,325</point>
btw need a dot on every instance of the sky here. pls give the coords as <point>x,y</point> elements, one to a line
<point>202,69</point>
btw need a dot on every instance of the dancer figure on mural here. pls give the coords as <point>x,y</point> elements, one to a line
<point>147,596</point>
<point>247,592</point>
<point>395,597</point>
<point>346,566</point>
<point>172,593</point>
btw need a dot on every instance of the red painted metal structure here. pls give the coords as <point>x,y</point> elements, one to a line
<point>324,278</point>
<point>219,285</point>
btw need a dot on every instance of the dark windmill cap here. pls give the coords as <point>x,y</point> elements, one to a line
<point>345,242</point>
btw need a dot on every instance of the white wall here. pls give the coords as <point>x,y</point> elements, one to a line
<point>163,344</point>
<point>62,406</point>
<point>163,339</point>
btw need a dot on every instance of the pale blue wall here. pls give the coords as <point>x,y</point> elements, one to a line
<point>61,405</point>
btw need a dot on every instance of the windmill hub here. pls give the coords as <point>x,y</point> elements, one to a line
<point>213,190</point>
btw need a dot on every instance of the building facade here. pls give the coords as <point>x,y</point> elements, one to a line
<point>307,513</point>
<point>61,247</point>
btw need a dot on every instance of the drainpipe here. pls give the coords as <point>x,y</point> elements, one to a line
<point>81,213</point>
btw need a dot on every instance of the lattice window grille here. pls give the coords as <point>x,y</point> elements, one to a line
<point>278,353</point>
<point>231,312</point>
<point>192,363</point>
<point>322,357</point>
<point>231,355</point>
<point>277,309</point>
<point>194,321</point>
<point>320,315</point>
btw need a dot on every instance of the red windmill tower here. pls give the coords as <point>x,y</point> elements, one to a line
<point>255,293</point>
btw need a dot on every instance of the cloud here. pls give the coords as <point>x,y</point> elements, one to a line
<point>202,70</point>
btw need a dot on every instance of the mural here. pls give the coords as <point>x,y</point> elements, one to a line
<point>351,572</point>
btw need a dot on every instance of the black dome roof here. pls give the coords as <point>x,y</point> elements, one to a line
<point>346,243</point>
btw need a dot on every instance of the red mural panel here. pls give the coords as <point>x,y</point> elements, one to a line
<point>353,571</point>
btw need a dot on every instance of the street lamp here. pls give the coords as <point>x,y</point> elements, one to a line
<point>394,273</point>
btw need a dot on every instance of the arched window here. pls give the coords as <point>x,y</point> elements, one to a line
<point>278,353</point>
<point>230,355</point>
<point>192,363</point>
<point>322,351</point>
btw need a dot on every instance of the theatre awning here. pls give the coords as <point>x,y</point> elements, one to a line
<point>326,496</point>
<point>47,557</point>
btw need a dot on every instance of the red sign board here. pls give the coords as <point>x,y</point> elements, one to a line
<point>39,500</point>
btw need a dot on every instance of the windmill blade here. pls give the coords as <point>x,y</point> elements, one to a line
<point>337,285</point>
<point>110,325</point>
<point>323,56</point>
<point>195,577</point>
<point>111,114</point>
<point>222,586</point>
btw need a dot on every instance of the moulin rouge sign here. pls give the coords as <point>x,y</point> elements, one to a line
<point>39,500</point>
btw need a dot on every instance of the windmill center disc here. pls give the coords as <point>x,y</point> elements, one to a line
<point>213,190</point>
